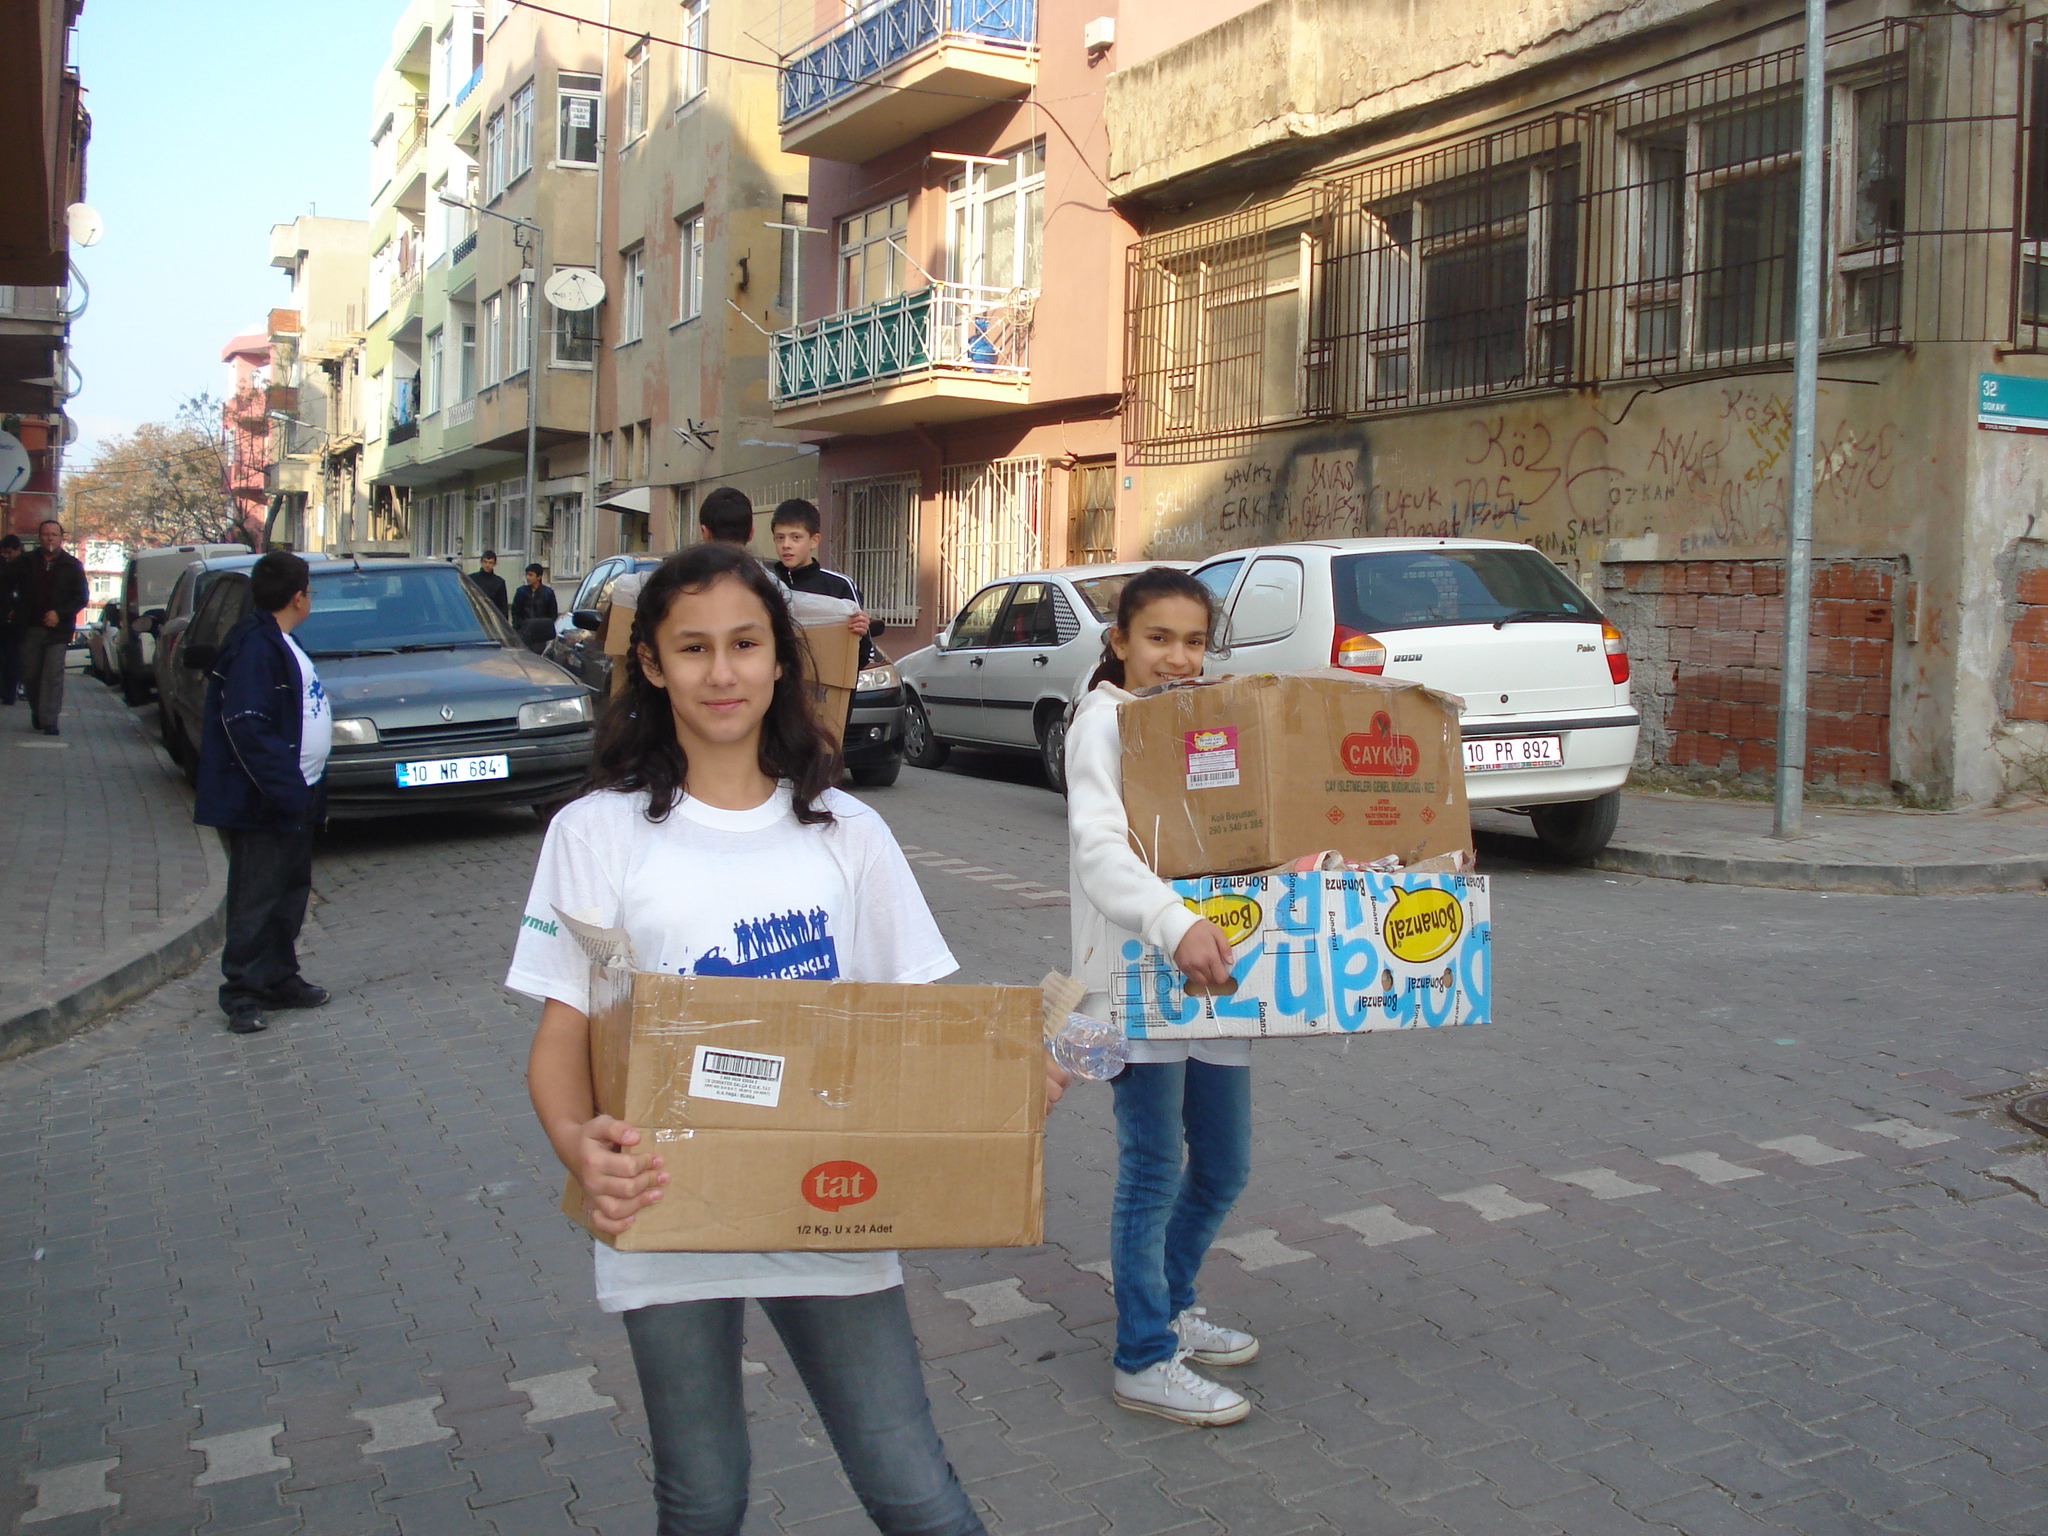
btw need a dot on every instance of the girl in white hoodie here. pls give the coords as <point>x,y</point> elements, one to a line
<point>1198,1093</point>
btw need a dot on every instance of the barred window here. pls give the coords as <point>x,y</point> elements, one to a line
<point>879,547</point>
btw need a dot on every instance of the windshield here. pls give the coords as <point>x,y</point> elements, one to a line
<point>1100,593</point>
<point>384,610</point>
<point>1420,588</point>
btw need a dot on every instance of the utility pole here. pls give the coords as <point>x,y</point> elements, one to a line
<point>1791,780</point>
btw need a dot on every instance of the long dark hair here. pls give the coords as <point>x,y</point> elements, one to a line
<point>1148,587</point>
<point>637,747</point>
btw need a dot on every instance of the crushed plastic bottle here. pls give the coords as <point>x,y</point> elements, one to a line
<point>1089,1048</point>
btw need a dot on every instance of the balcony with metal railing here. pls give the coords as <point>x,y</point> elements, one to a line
<point>958,56</point>
<point>946,352</point>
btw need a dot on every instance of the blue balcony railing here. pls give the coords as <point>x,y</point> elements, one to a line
<point>476,78</point>
<point>947,326</point>
<point>862,47</point>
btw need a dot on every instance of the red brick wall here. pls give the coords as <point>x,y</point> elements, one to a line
<point>1707,635</point>
<point>2028,698</point>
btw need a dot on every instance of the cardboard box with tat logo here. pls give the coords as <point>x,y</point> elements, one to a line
<point>1321,952</point>
<point>834,1116</point>
<point>1246,773</point>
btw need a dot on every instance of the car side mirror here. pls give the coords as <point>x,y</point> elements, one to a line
<point>876,627</point>
<point>199,656</point>
<point>152,619</point>
<point>587,618</point>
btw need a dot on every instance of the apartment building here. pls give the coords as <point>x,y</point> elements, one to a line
<point>701,207</point>
<point>312,478</point>
<point>44,124</point>
<point>245,430</point>
<point>1527,272</point>
<point>960,271</point>
<point>484,169</point>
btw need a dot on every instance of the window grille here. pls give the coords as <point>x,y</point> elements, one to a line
<point>1091,514</point>
<point>879,543</point>
<point>989,526</point>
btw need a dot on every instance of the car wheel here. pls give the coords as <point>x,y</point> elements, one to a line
<point>877,775</point>
<point>1052,748</point>
<point>134,690</point>
<point>1577,830</point>
<point>921,749</point>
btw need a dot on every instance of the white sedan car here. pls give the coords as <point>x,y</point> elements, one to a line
<point>1548,727</point>
<point>1005,672</point>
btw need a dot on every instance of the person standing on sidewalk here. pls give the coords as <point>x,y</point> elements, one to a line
<point>490,583</point>
<point>534,610</point>
<point>50,592</point>
<point>264,740</point>
<point>11,569</point>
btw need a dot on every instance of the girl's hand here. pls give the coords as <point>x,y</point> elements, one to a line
<point>1056,1079</point>
<point>1203,955</point>
<point>617,1182</point>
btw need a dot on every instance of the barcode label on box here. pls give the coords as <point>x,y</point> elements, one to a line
<point>738,1077</point>
<point>1212,758</point>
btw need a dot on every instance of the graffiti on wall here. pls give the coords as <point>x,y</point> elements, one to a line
<point>1703,474</point>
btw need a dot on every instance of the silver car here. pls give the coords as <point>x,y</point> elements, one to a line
<point>1005,673</point>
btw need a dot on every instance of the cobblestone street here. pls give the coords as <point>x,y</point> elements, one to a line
<point>1714,1232</point>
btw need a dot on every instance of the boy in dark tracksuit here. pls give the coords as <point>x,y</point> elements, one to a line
<point>264,739</point>
<point>796,527</point>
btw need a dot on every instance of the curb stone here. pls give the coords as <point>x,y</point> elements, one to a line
<point>134,970</point>
<point>1785,874</point>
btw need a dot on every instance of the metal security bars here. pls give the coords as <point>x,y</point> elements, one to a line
<point>990,526</point>
<point>1647,234</point>
<point>879,519</point>
<point>874,38</point>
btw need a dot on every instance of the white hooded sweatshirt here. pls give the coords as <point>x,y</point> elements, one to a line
<point>1116,897</point>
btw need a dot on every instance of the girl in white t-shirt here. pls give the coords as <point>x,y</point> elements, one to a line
<point>711,833</point>
<point>1172,1094</point>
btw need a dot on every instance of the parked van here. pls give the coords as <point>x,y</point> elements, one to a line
<point>132,620</point>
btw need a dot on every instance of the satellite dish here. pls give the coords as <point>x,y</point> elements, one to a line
<point>85,224</point>
<point>15,467</point>
<point>574,289</point>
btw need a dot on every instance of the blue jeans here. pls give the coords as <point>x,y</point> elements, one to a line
<point>1165,1215</point>
<point>858,1358</point>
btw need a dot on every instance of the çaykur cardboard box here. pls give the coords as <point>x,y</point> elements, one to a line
<point>1245,773</point>
<point>1321,952</point>
<point>824,1115</point>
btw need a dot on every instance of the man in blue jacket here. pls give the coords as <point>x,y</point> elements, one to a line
<point>263,748</point>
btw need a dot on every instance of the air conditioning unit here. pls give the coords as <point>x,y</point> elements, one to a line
<point>1099,36</point>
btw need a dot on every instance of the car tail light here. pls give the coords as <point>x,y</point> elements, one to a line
<point>1357,651</point>
<point>1617,653</point>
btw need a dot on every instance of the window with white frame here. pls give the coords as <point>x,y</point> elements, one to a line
<point>519,323</point>
<point>632,295</point>
<point>512,514</point>
<point>1873,222</point>
<point>873,264</point>
<point>484,519</point>
<point>465,376</point>
<point>995,220</point>
<point>636,90</point>
<point>1716,235</point>
<point>519,133</point>
<point>696,38</point>
<point>426,526</point>
<point>575,333</point>
<point>496,173</point>
<point>690,266</point>
<point>493,338</point>
<point>431,370</point>
<point>578,100</point>
<point>454,524</point>
<point>795,217</point>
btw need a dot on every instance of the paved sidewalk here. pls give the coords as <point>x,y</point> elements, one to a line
<point>111,888</point>
<point>1847,848</point>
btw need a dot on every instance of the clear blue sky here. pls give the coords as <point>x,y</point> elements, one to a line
<point>210,124</point>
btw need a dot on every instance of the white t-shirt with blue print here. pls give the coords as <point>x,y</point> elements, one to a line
<point>710,892</point>
<point>316,718</point>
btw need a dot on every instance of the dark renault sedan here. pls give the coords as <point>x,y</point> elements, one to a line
<point>436,703</point>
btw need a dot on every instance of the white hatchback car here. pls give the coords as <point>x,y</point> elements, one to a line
<point>1548,727</point>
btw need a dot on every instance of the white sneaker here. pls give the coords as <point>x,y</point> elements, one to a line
<point>1208,1343</point>
<point>1172,1391</point>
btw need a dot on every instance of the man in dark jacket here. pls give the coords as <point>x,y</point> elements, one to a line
<point>534,610</point>
<point>49,593</point>
<point>264,739</point>
<point>489,582</point>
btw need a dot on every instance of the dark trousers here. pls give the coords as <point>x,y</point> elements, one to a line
<point>10,667</point>
<point>270,877</point>
<point>43,654</point>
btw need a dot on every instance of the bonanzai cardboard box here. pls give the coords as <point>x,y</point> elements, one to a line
<point>1249,772</point>
<point>1326,952</point>
<point>834,1115</point>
